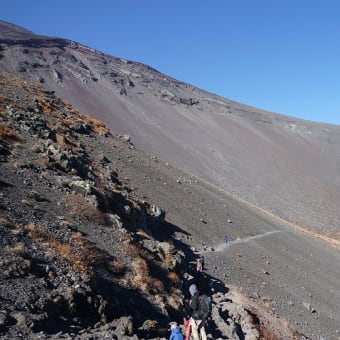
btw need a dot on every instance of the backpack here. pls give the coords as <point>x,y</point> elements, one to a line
<point>204,306</point>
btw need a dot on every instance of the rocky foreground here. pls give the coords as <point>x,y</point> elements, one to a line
<point>85,253</point>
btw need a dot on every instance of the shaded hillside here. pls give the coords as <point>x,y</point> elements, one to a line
<point>286,166</point>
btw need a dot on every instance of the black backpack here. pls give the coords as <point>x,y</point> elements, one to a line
<point>204,307</point>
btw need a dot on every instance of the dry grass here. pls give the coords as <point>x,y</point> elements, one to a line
<point>10,224</point>
<point>35,232</point>
<point>156,286</point>
<point>64,142</point>
<point>46,105</point>
<point>68,122</point>
<point>18,164</point>
<point>173,302</point>
<point>174,279</point>
<point>67,224</point>
<point>80,206</point>
<point>63,249</point>
<point>8,135</point>
<point>116,267</point>
<point>142,275</point>
<point>17,231</point>
<point>150,325</point>
<point>266,298</point>
<point>97,125</point>
<point>266,333</point>
<point>44,160</point>
<point>153,324</point>
<point>27,202</point>
<point>6,222</point>
<point>83,255</point>
<point>100,183</point>
<point>168,260</point>
<point>143,280</point>
<point>131,250</point>
<point>18,249</point>
<point>69,253</point>
<point>72,110</point>
<point>88,252</point>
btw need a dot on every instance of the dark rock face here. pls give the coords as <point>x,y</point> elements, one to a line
<point>54,191</point>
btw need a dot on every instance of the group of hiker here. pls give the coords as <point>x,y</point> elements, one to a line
<point>197,302</point>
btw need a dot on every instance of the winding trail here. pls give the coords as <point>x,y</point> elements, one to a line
<point>335,243</point>
<point>224,246</point>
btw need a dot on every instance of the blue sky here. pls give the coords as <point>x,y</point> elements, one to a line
<point>279,55</point>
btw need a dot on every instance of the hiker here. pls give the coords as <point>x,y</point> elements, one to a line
<point>199,267</point>
<point>225,239</point>
<point>187,329</point>
<point>178,259</point>
<point>200,306</point>
<point>202,283</point>
<point>202,261</point>
<point>176,333</point>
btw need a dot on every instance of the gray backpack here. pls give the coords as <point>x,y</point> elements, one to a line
<point>204,307</point>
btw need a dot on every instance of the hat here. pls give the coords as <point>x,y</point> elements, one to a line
<point>193,289</point>
<point>173,325</point>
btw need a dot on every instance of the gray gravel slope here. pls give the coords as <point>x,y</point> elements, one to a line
<point>292,272</point>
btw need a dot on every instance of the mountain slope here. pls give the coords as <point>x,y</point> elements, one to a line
<point>286,166</point>
<point>83,253</point>
<point>45,143</point>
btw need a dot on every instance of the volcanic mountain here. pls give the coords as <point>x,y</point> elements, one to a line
<point>283,165</point>
<point>268,182</point>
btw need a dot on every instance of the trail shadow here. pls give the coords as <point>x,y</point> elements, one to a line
<point>119,302</point>
<point>225,246</point>
<point>126,301</point>
<point>166,232</point>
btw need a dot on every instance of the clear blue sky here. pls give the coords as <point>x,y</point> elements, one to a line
<point>278,55</point>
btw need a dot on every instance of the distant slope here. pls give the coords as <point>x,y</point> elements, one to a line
<point>286,166</point>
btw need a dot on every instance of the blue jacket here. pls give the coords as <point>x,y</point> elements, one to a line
<point>176,334</point>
